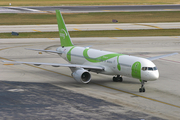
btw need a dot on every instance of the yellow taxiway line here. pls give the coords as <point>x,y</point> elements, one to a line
<point>148,98</point>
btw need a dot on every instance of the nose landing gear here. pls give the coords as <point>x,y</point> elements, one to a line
<point>118,79</point>
<point>142,89</point>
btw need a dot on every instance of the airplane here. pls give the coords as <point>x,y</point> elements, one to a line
<point>85,60</point>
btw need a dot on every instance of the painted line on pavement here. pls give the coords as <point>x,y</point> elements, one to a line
<point>174,36</point>
<point>77,29</point>
<point>112,37</point>
<point>148,26</point>
<point>51,38</point>
<point>36,30</point>
<point>168,9</point>
<point>107,10</point>
<point>104,86</point>
<point>139,96</point>
<point>96,83</point>
<point>118,28</point>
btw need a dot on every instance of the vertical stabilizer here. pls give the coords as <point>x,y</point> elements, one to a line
<point>63,33</point>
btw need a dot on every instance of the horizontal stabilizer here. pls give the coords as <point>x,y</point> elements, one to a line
<point>43,50</point>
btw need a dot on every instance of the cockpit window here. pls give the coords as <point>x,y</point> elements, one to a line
<point>155,68</point>
<point>149,68</point>
<point>144,68</point>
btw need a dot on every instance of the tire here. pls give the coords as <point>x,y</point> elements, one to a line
<point>120,79</point>
<point>114,79</point>
<point>143,89</point>
<point>140,89</point>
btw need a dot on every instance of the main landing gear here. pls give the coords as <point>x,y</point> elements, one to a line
<point>118,79</point>
<point>142,89</point>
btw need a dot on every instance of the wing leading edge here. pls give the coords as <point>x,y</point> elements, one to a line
<point>161,56</point>
<point>58,65</point>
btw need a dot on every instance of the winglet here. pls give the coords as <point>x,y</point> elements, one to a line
<point>63,33</point>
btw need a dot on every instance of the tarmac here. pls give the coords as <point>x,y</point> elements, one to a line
<point>89,27</point>
<point>85,9</point>
<point>46,92</point>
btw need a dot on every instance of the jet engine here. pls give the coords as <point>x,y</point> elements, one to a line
<point>81,75</point>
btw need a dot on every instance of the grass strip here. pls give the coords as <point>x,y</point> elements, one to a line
<point>84,2</point>
<point>89,18</point>
<point>108,33</point>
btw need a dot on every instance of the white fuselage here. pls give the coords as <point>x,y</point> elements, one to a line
<point>113,63</point>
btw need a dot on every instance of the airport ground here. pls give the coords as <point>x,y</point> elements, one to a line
<point>106,28</point>
<point>160,101</point>
<point>87,2</point>
<point>90,18</point>
<point>46,92</point>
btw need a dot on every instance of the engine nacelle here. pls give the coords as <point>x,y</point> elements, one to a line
<point>81,75</point>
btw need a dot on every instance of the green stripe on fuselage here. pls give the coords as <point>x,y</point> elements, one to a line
<point>69,54</point>
<point>136,70</point>
<point>118,65</point>
<point>102,58</point>
<point>98,59</point>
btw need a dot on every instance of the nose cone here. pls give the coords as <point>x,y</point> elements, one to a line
<point>154,75</point>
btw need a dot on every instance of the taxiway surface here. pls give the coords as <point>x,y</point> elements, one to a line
<point>83,9</point>
<point>161,99</point>
<point>89,27</point>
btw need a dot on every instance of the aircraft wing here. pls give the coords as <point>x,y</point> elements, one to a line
<point>161,56</point>
<point>58,65</point>
<point>43,50</point>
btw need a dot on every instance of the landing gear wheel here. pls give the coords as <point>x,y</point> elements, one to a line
<point>117,79</point>
<point>114,79</point>
<point>142,89</point>
<point>120,79</point>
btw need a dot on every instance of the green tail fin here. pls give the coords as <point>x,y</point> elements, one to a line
<point>63,33</point>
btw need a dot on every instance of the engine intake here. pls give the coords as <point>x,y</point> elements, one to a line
<point>81,75</point>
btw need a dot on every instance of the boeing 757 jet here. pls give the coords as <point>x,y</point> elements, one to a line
<point>85,60</point>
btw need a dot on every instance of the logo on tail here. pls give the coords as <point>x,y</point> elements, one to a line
<point>63,33</point>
